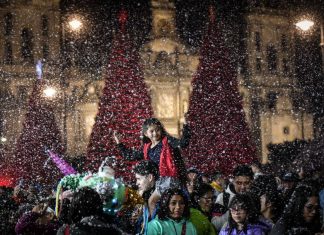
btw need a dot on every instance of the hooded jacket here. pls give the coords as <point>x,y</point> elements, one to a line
<point>170,226</point>
<point>252,229</point>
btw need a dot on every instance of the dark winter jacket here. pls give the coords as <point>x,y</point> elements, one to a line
<point>89,226</point>
<point>282,228</point>
<point>252,229</point>
<point>174,143</point>
<point>8,208</point>
<point>27,224</point>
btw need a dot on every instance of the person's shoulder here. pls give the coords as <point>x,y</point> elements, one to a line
<point>219,198</point>
<point>156,221</point>
<point>258,229</point>
<point>197,214</point>
<point>224,229</point>
<point>155,227</point>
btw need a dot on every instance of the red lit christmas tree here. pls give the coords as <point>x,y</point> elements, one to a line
<point>40,132</point>
<point>124,105</point>
<point>220,136</point>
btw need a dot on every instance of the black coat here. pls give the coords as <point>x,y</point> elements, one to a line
<point>91,225</point>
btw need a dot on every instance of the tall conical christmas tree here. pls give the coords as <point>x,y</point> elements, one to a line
<point>220,136</point>
<point>124,105</point>
<point>40,132</point>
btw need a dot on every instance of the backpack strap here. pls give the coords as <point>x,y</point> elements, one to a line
<point>67,230</point>
<point>184,228</point>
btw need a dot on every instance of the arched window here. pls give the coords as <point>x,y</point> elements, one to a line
<point>44,23</point>
<point>27,45</point>
<point>284,43</point>
<point>162,60</point>
<point>45,51</point>
<point>258,41</point>
<point>8,24</point>
<point>164,27</point>
<point>8,53</point>
<point>272,100</point>
<point>272,58</point>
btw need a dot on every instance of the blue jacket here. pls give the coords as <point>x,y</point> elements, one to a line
<point>252,229</point>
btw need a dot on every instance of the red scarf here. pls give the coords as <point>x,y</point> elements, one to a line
<point>167,165</point>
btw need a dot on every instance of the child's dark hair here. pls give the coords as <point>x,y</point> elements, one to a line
<point>245,201</point>
<point>147,167</point>
<point>164,211</point>
<point>149,122</point>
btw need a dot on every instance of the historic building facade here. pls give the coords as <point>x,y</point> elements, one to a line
<point>267,84</point>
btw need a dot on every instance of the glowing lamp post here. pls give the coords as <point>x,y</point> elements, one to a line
<point>49,92</point>
<point>305,24</point>
<point>73,25</point>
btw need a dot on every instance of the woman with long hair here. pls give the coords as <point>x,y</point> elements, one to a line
<point>173,215</point>
<point>301,214</point>
<point>243,217</point>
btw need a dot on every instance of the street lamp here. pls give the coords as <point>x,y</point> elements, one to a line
<point>306,25</point>
<point>49,92</point>
<point>73,24</point>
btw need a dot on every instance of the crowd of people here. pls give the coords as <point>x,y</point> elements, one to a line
<point>173,199</point>
<point>247,203</point>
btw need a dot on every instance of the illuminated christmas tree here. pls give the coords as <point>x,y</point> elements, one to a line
<point>124,105</point>
<point>220,135</point>
<point>39,133</point>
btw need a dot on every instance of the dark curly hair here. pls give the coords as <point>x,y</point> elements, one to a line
<point>85,202</point>
<point>245,201</point>
<point>146,167</point>
<point>164,211</point>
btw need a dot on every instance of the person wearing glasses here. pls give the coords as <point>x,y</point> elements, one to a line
<point>243,217</point>
<point>242,182</point>
<point>205,199</point>
<point>301,214</point>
